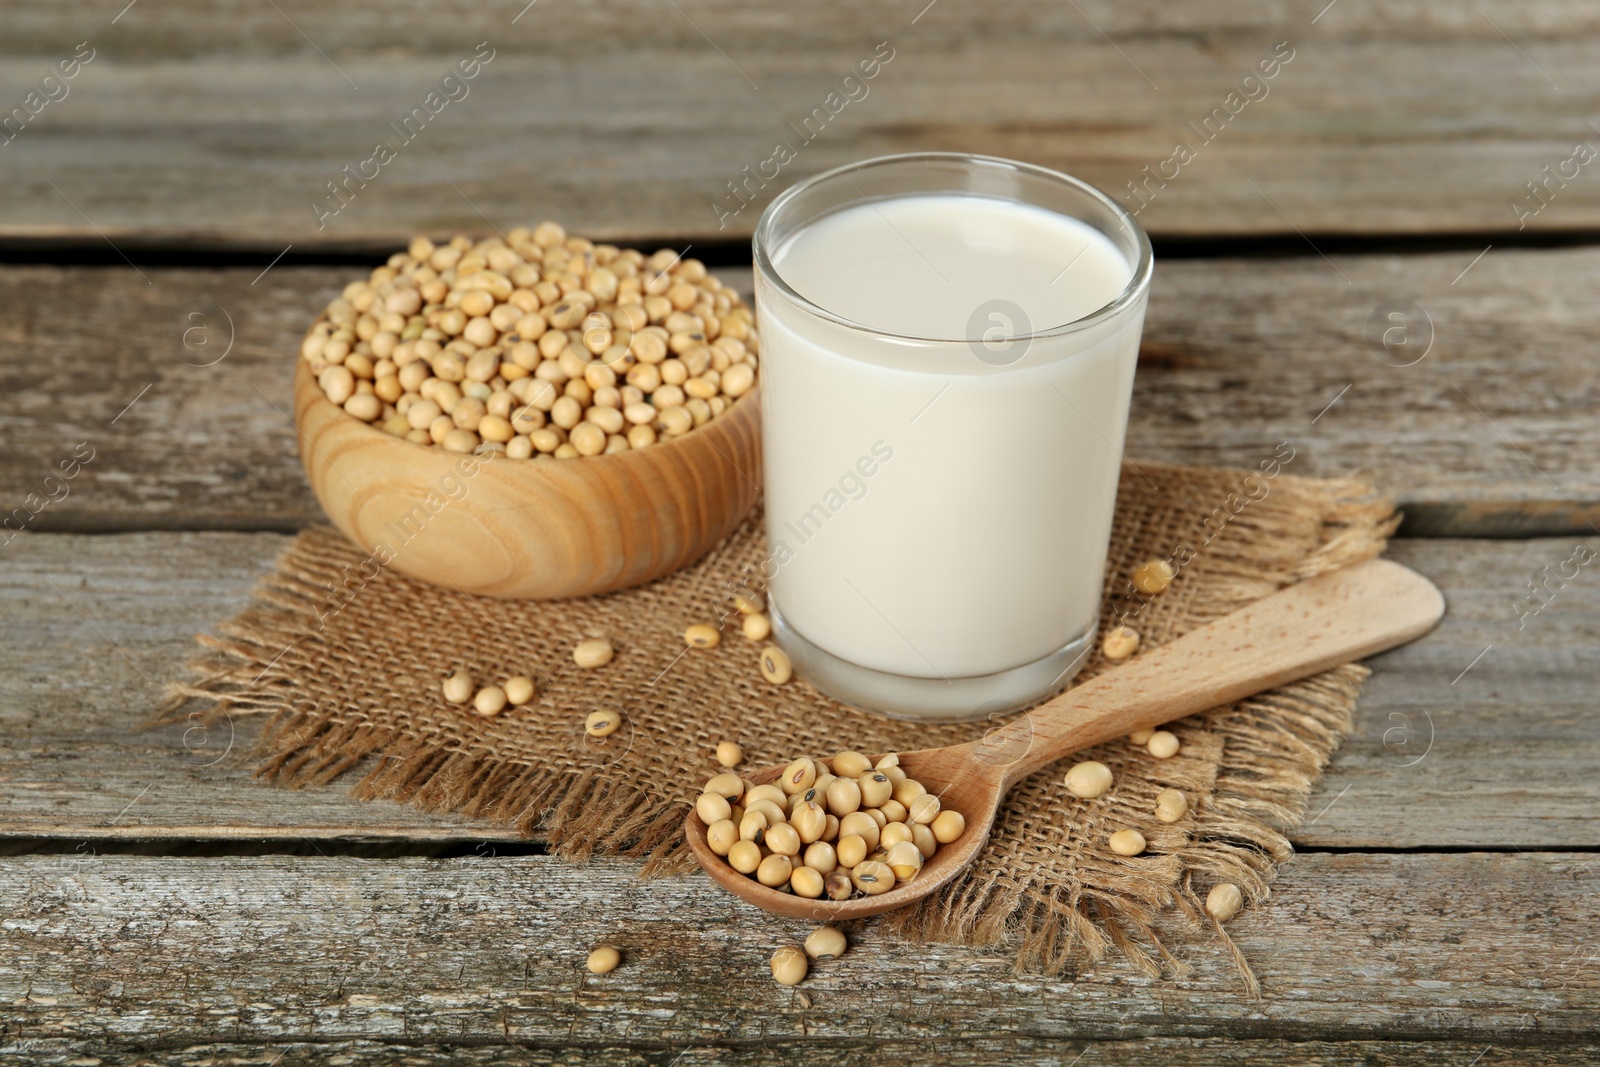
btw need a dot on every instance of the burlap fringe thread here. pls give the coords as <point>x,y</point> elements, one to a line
<point>1255,763</point>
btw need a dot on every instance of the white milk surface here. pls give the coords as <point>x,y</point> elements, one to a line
<point>941,510</point>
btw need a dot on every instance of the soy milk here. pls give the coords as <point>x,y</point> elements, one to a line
<point>941,455</point>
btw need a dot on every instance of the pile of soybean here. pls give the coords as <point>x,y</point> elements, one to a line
<point>828,828</point>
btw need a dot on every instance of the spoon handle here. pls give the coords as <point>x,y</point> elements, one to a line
<point>1315,625</point>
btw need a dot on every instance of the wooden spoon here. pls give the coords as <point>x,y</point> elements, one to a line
<point>1313,626</point>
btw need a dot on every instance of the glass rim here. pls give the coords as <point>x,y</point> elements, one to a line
<point>1138,283</point>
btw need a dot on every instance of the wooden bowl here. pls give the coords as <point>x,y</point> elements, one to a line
<point>527,528</point>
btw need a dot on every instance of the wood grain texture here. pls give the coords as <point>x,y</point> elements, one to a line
<point>120,952</point>
<point>963,1050</point>
<point>1455,732</point>
<point>525,529</point>
<point>1239,355</point>
<point>94,628</point>
<point>221,125</point>
<point>1507,757</point>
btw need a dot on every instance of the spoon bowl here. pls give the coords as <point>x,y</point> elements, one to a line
<point>973,795</point>
<point>1312,626</point>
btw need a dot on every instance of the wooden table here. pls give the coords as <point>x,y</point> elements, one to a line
<point>158,906</point>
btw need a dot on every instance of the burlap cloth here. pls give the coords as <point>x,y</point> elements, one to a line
<point>356,691</point>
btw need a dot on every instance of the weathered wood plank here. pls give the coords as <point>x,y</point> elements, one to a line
<point>93,629</point>
<point>121,952</point>
<point>1458,731</point>
<point>1240,355</point>
<point>220,125</point>
<point>953,1051</point>
<point>1504,758</point>
<point>1464,416</point>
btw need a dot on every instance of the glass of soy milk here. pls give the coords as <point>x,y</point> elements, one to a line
<point>948,348</point>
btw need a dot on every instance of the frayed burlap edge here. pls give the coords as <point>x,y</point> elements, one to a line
<point>1273,749</point>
